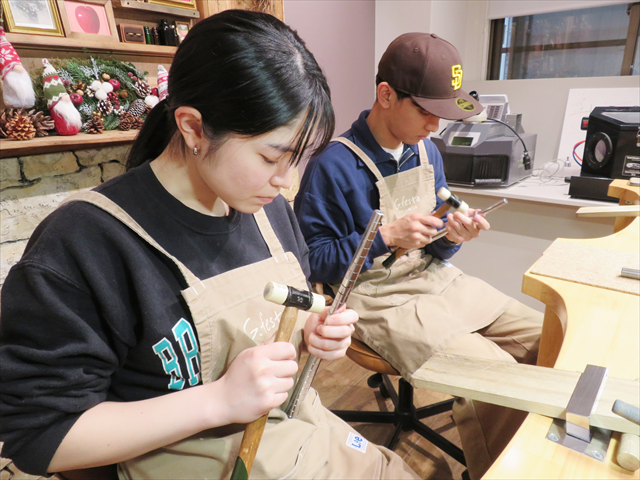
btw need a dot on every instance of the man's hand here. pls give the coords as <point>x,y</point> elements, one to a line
<point>461,228</point>
<point>414,230</point>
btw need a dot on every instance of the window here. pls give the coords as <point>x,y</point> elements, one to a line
<point>590,42</point>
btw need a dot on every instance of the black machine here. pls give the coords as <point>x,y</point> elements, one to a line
<point>611,150</point>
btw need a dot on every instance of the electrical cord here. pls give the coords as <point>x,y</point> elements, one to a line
<point>576,158</point>
<point>526,159</point>
<point>550,171</point>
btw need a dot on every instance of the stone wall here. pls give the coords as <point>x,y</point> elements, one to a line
<point>33,186</point>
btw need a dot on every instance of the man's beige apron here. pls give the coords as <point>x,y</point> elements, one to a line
<point>230,315</point>
<point>421,303</point>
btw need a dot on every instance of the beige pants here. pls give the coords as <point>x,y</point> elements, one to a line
<point>485,429</point>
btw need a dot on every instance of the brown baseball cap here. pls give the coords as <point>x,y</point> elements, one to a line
<point>430,70</point>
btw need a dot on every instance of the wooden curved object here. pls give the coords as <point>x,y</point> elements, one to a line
<point>584,324</point>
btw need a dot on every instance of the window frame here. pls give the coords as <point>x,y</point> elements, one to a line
<point>496,49</point>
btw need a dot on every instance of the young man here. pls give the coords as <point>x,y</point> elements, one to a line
<point>422,304</point>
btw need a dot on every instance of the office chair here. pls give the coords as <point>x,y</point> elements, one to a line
<point>405,417</point>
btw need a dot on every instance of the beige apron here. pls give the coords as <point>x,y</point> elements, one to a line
<point>230,315</point>
<point>421,303</point>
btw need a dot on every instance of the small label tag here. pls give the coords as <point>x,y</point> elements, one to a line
<point>357,442</point>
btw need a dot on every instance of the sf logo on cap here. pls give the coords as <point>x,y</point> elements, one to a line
<point>456,73</point>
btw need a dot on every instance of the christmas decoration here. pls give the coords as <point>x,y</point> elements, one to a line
<point>20,128</point>
<point>137,108</point>
<point>41,123</point>
<point>105,107</point>
<point>66,118</point>
<point>86,78</point>
<point>151,100</point>
<point>17,86</point>
<point>95,125</point>
<point>163,82</point>
<point>76,99</point>
<point>142,88</point>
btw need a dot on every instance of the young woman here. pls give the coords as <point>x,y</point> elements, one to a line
<point>134,330</point>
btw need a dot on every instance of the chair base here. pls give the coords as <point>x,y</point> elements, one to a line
<point>406,417</point>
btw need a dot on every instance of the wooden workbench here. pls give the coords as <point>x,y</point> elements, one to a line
<point>583,325</point>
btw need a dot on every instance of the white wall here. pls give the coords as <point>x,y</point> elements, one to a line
<point>341,35</point>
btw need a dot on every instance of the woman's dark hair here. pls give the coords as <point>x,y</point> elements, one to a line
<point>247,73</point>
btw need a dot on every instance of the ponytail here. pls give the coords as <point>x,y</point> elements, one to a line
<point>156,133</point>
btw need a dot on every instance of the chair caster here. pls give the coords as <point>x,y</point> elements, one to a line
<point>375,381</point>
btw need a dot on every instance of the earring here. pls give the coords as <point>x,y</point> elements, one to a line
<point>195,151</point>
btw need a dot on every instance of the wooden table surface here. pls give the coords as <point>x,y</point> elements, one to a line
<point>583,325</point>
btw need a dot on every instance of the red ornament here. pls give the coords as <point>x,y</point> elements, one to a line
<point>76,99</point>
<point>88,19</point>
<point>154,91</point>
<point>134,78</point>
<point>115,84</point>
<point>130,74</point>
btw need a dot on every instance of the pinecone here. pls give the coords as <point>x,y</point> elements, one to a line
<point>21,128</point>
<point>126,121</point>
<point>137,123</point>
<point>142,88</point>
<point>41,122</point>
<point>6,116</point>
<point>95,125</point>
<point>137,108</point>
<point>105,107</point>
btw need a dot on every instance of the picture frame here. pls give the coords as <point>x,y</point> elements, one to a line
<point>188,4</point>
<point>182,28</point>
<point>37,17</point>
<point>131,33</point>
<point>88,20</point>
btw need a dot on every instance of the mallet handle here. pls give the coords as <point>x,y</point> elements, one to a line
<point>253,432</point>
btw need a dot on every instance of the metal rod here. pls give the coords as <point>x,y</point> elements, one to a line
<point>499,204</point>
<point>348,282</point>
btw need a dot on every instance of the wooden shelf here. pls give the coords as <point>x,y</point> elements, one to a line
<point>60,143</point>
<point>152,7</point>
<point>66,44</point>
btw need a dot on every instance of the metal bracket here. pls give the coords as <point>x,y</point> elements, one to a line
<point>575,432</point>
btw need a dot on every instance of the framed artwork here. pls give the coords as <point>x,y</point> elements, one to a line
<point>40,17</point>
<point>190,4</point>
<point>182,28</point>
<point>88,19</point>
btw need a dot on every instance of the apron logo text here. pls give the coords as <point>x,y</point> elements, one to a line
<point>263,326</point>
<point>405,204</point>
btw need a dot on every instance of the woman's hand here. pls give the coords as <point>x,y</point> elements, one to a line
<point>258,380</point>
<point>328,337</point>
<point>461,228</point>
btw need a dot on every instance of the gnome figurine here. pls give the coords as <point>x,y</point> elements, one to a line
<point>17,89</point>
<point>163,82</point>
<point>66,119</point>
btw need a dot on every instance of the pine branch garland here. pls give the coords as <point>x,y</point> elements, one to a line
<point>80,71</point>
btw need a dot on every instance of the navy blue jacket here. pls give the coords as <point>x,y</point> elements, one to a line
<point>337,197</point>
